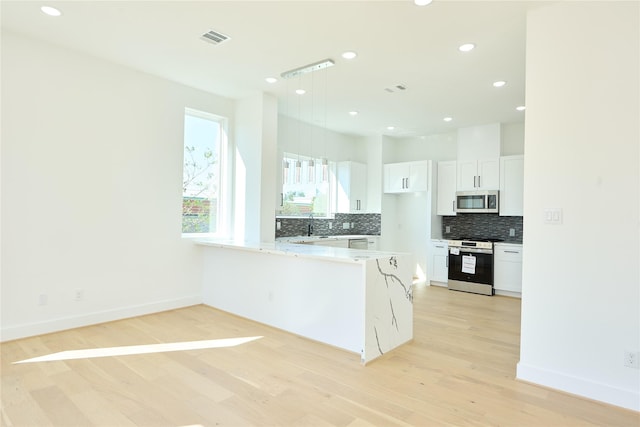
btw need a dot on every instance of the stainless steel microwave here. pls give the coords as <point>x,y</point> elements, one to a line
<point>477,201</point>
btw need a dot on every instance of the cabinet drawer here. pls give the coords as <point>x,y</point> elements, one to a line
<point>512,253</point>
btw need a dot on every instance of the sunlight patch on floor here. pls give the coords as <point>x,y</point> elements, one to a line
<point>140,349</point>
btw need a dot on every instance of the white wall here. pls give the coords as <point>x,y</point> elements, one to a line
<point>512,139</point>
<point>255,168</point>
<point>296,137</point>
<point>373,147</point>
<point>581,284</point>
<point>91,190</point>
<point>432,147</point>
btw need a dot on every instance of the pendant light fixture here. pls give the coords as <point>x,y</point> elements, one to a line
<point>298,170</point>
<point>323,161</point>
<point>298,72</point>
<point>311,164</point>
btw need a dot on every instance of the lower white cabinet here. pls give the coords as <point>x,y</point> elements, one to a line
<point>372,243</point>
<point>339,243</point>
<point>507,258</point>
<point>439,261</point>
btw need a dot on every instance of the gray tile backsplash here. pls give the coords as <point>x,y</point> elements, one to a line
<point>362,224</point>
<point>482,225</point>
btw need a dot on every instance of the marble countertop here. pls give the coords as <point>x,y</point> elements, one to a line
<point>313,238</point>
<point>328,253</point>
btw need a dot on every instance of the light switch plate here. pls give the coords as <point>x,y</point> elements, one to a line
<point>553,216</point>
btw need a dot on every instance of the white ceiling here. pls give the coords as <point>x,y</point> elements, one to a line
<point>397,43</point>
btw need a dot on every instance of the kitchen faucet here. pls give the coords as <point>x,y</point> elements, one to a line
<point>310,225</point>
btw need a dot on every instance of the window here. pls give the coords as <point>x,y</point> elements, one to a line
<point>306,195</point>
<point>203,172</point>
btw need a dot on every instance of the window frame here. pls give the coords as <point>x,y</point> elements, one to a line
<point>331,185</point>
<point>224,192</point>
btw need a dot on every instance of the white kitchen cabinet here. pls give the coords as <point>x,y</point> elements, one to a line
<point>339,243</point>
<point>406,177</point>
<point>507,274</point>
<point>439,262</point>
<point>511,185</point>
<point>372,243</point>
<point>446,197</point>
<point>478,174</point>
<point>351,187</point>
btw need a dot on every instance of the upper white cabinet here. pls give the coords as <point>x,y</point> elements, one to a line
<point>406,177</point>
<point>351,187</point>
<point>478,174</point>
<point>446,197</point>
<point>511,185</point>
<point>479,157</point>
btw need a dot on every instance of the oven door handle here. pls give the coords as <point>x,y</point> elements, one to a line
<point>475,251</point>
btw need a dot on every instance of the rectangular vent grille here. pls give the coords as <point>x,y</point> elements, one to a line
<point>214,37</point>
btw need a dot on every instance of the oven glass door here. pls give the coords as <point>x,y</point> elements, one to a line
<point>471,267</point>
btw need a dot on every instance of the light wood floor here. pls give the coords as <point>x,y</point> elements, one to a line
<point>459,370</point>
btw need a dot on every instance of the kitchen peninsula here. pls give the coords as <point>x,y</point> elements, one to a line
<point>357,300</point>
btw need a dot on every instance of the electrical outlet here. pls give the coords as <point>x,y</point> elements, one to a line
<point>330,225</point>
<point>632,359</point>
<point>43,299</point>
<point>345,225</point>
<point>512,232</point>
<point>78,295</point>
<point>278,225</point>
<point>447,229</point>
<point>351,225</point>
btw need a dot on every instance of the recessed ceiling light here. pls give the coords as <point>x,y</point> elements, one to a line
<point>422,2</point>
<point>353,113</point>
<point>466,47</point>
<point>499,83</point>
<point>271,80</point>
<point>448,119</point>
<point>391,127</point>
<point>301,91</point>
<point>349,54</point>
<point>521,108</point>
<point>51,11</point>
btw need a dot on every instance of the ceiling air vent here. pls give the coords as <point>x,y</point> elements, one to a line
<point>214,37</point>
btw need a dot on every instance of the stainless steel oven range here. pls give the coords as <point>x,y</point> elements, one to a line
<point>471,265</point>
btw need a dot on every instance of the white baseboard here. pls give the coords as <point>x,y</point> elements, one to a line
<point>63,323</point>
<point>508,293</point>
<point>629,399</point>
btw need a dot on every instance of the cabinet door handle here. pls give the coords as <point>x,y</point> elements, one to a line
<point>407,183</point>
<point>474,181</point>
<point>478,181</point>
<point>441,247</point>
<point>453,205</point>
<point>447,262</point>
<point>281,199</point>
<point>511,252</point>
